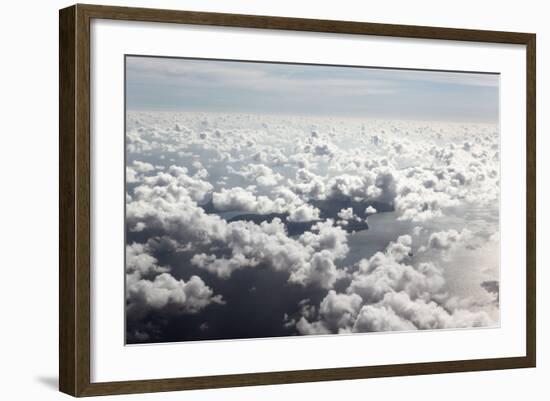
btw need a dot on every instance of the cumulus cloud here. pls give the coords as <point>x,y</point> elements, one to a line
<point>261,175</point>
<point>347,214</point>
<point>380,318</point>
<point>339,310</point>
<point>370,184</point>
<point>171,210</point>
<point>388,292</point>
<point>370,210</point>
<point>135,171</point>
<point>242,200</point>
<point>293,167</point>
<point>309,184</point>
<point>142,167</point>
<point>309,259</point>
<point>174,185</point>
<point>222,267</point>
<point>320,271</point>
<point>419,204</point>
<point>389,272</point>
<point>161,204</point>
<point>446,240</point>
<point>311,328</point>
<point>397,311</point>
<point>282,201</point>
<point>303,213</point>
<point>325,235</point>
<point>140,262</point>
<point>165,290</point>
<point>150,286</point>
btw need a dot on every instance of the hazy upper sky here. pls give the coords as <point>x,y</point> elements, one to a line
<point>175,84</point>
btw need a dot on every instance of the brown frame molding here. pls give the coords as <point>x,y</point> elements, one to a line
<point>74,198</point>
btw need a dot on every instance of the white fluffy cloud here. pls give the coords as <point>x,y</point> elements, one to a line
<point>370,210</point>
<point>261,175</point>
<point>346,214</point>
<point>425,172</point>
<point>422,314</point>
<point>418,204</point>
<point>339,310</point>
<point>388,292</point>
<point>282,201</point>
<point>380,318</point>
<point>389,272</point>
<point>309,260</point>
<point>242,200</point>
<point>453,162</point>
<point>303,213</point>
<point>150,286</point>
<point>165,290</point>
<point>326,236</point>
<point>446,240</point>
<point>222,267</point>
<point>140,262</point>
<point>136,171</point>
<point>160,203</point>
<point>320,271</point>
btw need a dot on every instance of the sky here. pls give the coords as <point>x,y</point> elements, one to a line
<point>180,84</point>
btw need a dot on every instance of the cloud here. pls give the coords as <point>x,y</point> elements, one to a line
<point>352,186</point>
<point>320,271</point>
<point>291,165</point>
<point>421,204</point>
<point>377,184</point>
<point>142,167</point>
<point>404,313</point>
<point>171,210</point>
<point>387,272</point>
<point>161,204</point>
<point>326,236</point>
<point>309,260</point>
<point>388,292</point>
<point>346,214</point>
<point>139,262</point>
<point>305,327</point>
<point>222,267</point>
<point>380,318</point>
<point>150,286</point>
<point>174,185</point>
<point>309,184</point>
<point>136,170</point>
<point>165,290</point>
<point>446,240</point>
<point>338,311</point>
<point>370,210</point>
<point>283,200</point>
<point>304,213</point>
<point>242,200</point>
<point>261,175</point>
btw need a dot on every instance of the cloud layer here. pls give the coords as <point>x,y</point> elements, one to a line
<point>212,196</point>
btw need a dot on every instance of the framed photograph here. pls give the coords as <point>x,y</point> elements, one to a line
<point>250,200</point>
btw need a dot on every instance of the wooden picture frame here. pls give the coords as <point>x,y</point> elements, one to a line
<point>75,206</point>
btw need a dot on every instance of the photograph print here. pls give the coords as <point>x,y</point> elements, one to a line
<point>277,199</point>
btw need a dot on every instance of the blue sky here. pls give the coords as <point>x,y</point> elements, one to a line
<point>175,84</point>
